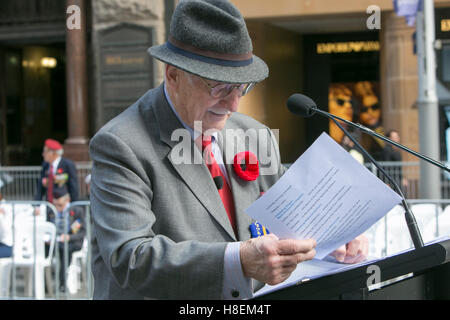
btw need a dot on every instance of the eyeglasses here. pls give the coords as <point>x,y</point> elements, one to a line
<point>224,89</point>
<point>341,102</point>
<point>374,107</point>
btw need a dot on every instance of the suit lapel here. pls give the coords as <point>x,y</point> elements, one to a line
<point>190,167</point>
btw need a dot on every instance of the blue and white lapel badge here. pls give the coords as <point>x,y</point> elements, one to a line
<point>258,230</point>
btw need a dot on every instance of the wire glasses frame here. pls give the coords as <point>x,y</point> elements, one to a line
<point>224,89</point>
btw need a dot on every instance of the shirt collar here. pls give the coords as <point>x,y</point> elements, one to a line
<point>194,134</point>
<point>56,163</point>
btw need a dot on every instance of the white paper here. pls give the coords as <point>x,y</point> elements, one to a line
<point>325,195</point>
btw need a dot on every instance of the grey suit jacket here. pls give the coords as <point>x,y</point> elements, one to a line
<point>160,228</point>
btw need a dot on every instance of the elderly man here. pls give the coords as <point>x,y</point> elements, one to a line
<point>57,172</point>
<point>166,227</point>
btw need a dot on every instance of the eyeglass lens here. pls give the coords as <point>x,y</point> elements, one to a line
<point>222,90</point>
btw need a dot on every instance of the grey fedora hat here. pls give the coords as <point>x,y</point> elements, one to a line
<point>209,38</point>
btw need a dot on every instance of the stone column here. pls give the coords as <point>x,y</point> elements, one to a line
<point>76,145</point>
<point>399,80</point>
<point>399,87</point>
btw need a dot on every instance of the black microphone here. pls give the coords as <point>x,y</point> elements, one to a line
<point>302,105</point>
<point>218,180</point>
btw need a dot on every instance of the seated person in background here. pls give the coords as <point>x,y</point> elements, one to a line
<point>70,228</point>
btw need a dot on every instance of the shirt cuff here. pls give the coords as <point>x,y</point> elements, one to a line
<point>235,285</point>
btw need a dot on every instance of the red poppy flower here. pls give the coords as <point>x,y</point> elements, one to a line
<point>246,165</point>
<point>59,170</point>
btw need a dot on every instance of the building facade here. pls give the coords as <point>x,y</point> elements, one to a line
<point>65,83</point>
<point>67,67</point>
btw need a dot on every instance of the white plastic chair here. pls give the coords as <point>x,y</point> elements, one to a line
<point>425,214</point>
<point>77,268</point>
<point>443,225</point>
<point>393,234</point>
<point>24,211</point>
<point>5,275</point>
<point>376,246</point>
<point>444,222</point>
<point>28,254</point>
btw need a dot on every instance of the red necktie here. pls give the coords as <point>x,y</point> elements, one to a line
<point>221,183</point>
<point>50,185</point>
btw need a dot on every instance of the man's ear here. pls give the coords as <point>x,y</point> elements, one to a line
<point>172,76</point>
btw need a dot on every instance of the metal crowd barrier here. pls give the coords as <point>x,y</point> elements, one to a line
<point>390,234</point>
<point>407,176</point>
<point>27,215</point>
<point>20,182</point>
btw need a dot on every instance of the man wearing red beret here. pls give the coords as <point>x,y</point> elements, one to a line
<point>56,172</point>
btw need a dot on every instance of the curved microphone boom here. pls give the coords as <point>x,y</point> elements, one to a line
<point>302,105</point>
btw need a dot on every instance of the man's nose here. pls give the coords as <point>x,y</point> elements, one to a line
<point>232,100</point>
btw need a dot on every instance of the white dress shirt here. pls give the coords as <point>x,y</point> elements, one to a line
<point>55,165</point>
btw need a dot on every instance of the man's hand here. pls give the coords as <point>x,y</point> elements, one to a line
<point>64,238</point>
<point>353,252</point>
<point>271,260</point>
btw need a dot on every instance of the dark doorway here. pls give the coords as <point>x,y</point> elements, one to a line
<point>32,100</point>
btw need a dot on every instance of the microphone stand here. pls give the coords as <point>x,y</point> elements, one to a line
<point>409,217</point>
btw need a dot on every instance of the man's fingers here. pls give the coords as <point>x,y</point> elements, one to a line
<point>291,246</point>
<point>353,252</point>
<point>339,253</point>
<point>294,259</point>
<point>362,252</point>
<point>271,260</point>
<point>353,247</point>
